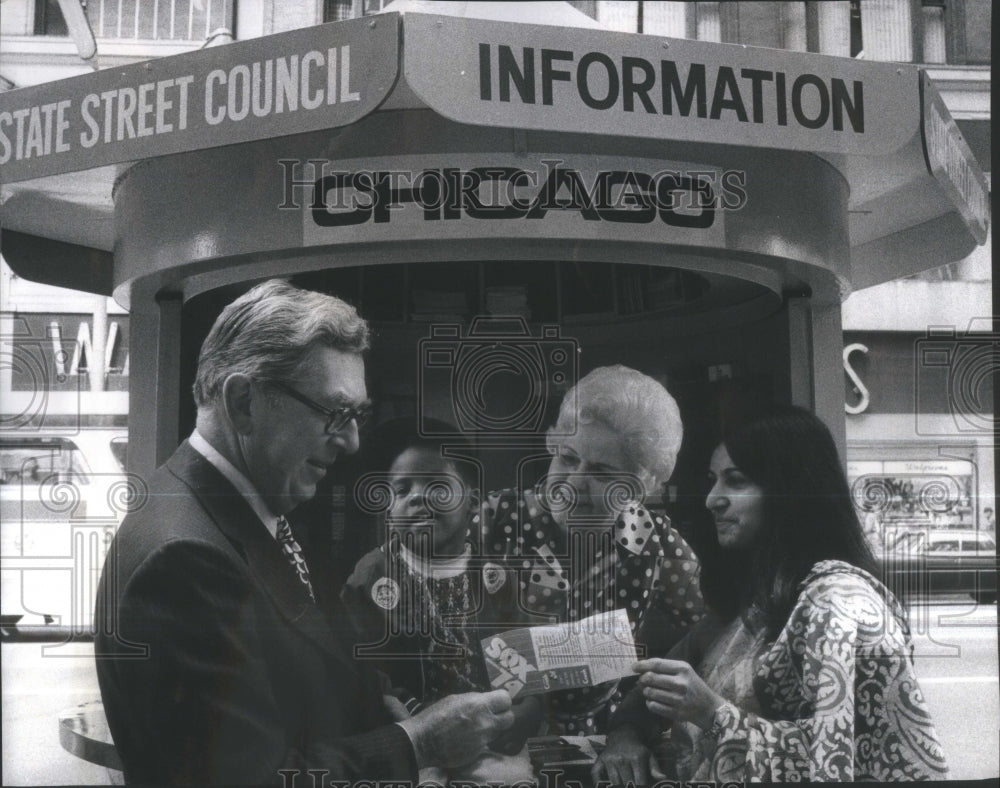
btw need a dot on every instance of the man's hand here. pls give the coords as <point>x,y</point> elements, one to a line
<point>527,720</point>
<point>625,759</point>
<point>674,690</point>
<point>456,730</point>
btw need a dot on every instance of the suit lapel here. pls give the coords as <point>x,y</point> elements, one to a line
<point>241,526</point>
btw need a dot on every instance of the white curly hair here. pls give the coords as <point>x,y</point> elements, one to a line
<point>635,406</point>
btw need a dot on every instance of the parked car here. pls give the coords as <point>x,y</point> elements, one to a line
<point>62,496</point>
<point>941,561</point>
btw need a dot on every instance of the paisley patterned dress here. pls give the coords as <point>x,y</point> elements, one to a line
<point>833,698</point>
<point>639,564</point>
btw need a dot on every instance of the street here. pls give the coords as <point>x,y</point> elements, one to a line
<point>956,662</point>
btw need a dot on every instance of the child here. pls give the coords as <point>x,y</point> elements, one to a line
<point>422,602</point>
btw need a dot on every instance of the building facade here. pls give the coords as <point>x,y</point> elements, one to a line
<point>916,437</point>
<point>918,409</point>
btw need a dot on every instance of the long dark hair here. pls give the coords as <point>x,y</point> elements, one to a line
<point>808,517</point>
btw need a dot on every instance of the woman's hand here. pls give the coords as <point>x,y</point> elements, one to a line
<point>395,708</point>
<point>672,689</point>
<point>625,759</point>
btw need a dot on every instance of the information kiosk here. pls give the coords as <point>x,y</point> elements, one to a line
<point>695,210</point>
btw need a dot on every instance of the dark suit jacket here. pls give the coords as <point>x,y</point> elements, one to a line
<point>214,665</point>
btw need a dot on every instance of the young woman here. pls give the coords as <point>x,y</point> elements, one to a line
<point>802,670</point>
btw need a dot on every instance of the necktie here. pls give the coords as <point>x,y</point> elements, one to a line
<point>293,552</point>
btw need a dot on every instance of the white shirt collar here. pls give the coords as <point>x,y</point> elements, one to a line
<point>242,484</point>
<point>436,568</point>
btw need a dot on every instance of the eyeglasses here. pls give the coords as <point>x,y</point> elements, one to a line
<point>336,418</point>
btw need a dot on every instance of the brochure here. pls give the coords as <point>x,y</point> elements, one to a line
<point>584,653</point>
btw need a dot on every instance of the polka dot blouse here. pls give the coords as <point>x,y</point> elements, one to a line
<point>640,565</point>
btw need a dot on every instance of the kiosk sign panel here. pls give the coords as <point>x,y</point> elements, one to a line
<point>473,196</point>
<point>304,80</point>
<point>598,82</point>
<point>952,164</point>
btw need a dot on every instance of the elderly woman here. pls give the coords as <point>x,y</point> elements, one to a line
<point>802,669</point>
<point>582,541</point>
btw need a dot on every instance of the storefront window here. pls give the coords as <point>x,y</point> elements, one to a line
<point>174,20</point>
<point>339,10</point>
<point>895,498</point>
<point>32,462</point>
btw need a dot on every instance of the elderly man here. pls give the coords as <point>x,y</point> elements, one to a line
<point>214,662</point>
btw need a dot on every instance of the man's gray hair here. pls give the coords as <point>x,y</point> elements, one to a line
<point>268,331</point>
<point>636,407</point>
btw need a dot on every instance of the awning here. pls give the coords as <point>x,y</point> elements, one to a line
<point>917,200</point>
